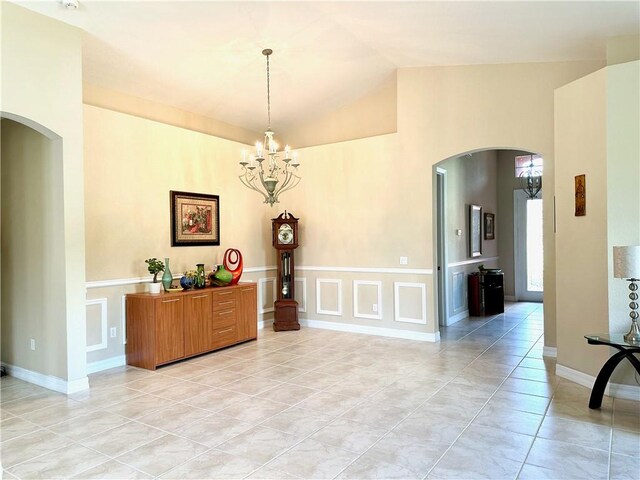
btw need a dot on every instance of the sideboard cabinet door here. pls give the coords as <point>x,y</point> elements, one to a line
<point>197,323</point>
<point>247,313</point>
<point>169,329</point>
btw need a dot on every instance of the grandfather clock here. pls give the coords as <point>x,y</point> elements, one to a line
<point>285,240</point>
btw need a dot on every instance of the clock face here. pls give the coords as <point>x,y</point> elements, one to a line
<point>285,234</point>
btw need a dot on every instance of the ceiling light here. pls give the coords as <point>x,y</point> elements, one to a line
<point>531,180</point>
<point>273,177</point>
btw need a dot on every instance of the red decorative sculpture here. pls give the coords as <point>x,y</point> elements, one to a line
<point>233,257</point>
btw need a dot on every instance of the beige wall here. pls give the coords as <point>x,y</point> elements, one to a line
<point>623,195</point>
<point>33,254</point>
<point>581,242</point>
<point>597,134</point>
<point>41,86</point>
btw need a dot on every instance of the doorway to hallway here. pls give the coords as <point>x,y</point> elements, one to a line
<point>528,247</point>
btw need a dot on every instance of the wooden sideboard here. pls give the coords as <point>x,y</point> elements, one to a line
<point>171,326</point>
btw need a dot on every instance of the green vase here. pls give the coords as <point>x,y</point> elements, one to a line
<point>201,278</point>
<point>222,277</point>
<point>167,277</point>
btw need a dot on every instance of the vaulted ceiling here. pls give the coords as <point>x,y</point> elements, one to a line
<point>205,56</point>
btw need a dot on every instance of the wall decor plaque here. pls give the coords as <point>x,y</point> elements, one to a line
<point>195,219</point>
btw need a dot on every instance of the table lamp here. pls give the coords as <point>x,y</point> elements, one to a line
<point>626,264</point>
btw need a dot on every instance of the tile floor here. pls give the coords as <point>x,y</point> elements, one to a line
<point>482,403</point>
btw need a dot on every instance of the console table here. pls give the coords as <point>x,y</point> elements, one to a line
<point>175,325</point>
<point>626,350</point>
<point>486,294</point>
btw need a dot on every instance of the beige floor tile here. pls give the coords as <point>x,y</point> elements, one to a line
<point>154,383</point>
<point>297,421</point>
<point>213,464</point>
<point>267,473</point>
<point>118,376</point>
<point>19,390</point>
<point>406,452</point>
<point>112,470</point>
<point>626,406</point>
<point>186,370</point>
<point>62,463</point>
<point>213,430</point>
<point>627,421</point>
<point>252,385</point>
<point>579,411</point>
<point>495,442</point>
<point>216,399</point>
<point>435,429</point>
<point>568,459</point>
<point>259,444</point>
<point>461,462</point>
<point>30,446</point>
<point>376,415</point>
<point>162,454</point>
<point>365,468</point>
<point>580,433</point>
<point>15,427</point>
<point>105,397</point>
<point>288,393</point>
<point>281,373</point>
<point>625,442</point>
<point>348,435</point>
<point>312,459</point>
<point>624,467</point>
<point>182,391</point>
<point>218,361</point>
<point>508,419</point>
<point>139,406</point>
<point>530,387</point>
<point>9,381</point>
<point>519,401</point>
<point>534,374</point>
<point>58,413</point>
<point>172,418</point>
<point>254,410</point>
<point>315,379</point>
<point>534,472</point>
<point>122,439</point>
<point>402,398</point>
<point>329,403</point>
<point>34,402</point>
<point>89,424</point>
<point>354,387</point>
<point>219,378</point>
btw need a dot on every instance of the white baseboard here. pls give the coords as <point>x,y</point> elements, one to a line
<point>262,324</point>
<point>550,352</point>
<point>379,331</point>
<point>48,381</point>
<point>106,364</point>
<point>457,317</point>
<point>510,298</point>
<point>626,392</point>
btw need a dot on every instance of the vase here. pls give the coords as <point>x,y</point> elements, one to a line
<point>233,263</point>
<point>186,283</point>
<point>167,277</point>
<point>154,288</point>
<point>201,278</point>
<point>221,277</point>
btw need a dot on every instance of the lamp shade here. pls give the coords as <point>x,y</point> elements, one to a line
<point>626,262</point>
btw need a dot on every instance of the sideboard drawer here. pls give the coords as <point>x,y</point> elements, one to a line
<point>224,300</point>
<point>223,336</point>
<point>223,318</point>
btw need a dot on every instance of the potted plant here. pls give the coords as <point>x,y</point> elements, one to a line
<point>154,266</point>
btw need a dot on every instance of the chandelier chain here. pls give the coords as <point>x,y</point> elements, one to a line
<point>268,95</point>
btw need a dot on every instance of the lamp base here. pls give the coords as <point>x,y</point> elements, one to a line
<point>633,336</point>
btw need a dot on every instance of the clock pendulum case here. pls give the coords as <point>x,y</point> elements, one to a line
<point>285,240</point>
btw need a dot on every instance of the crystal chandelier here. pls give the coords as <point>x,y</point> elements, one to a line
<point>531,180</point>
<point>270,178</point>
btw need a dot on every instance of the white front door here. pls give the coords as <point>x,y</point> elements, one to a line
<point>528,248</point>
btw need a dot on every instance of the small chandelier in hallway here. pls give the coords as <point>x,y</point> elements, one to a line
<point>273,177</point>
<point>531,179</point>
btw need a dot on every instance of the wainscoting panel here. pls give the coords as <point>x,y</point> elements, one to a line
<point>329,296</point>
<point>459,291</point>
<point>410,302</point>
<point>102,320</point>
<point>301,294</point>
<point>266,294</point>
<point>367,299</point>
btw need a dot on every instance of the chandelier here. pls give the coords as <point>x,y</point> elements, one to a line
<point>531,180</point>
<point>262,171</point>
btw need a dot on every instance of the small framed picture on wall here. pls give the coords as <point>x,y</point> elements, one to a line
<point>475,230</point>
<point>195,219</point>
<point>489,226</point>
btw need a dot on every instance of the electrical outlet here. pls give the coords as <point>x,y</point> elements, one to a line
<point>33,344</point>
<point>113,332</point>
<point>404,260</point>
<point>374,307</point>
